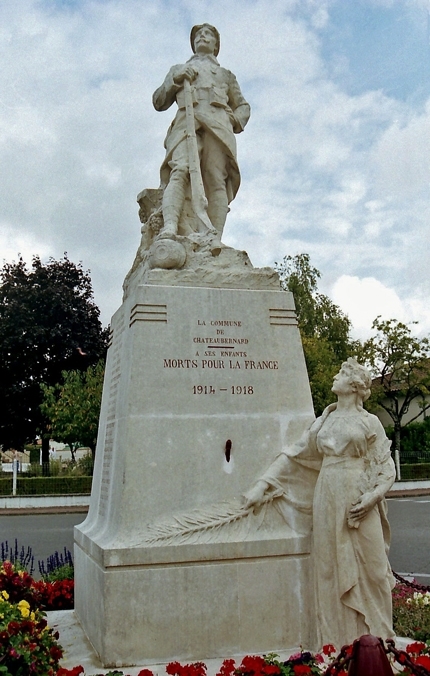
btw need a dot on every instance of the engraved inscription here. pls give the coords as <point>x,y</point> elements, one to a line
<point>107,463</point>
<point>217,352</point>
<point>233,389</point>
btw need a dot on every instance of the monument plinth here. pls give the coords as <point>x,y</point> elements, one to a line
<point>205,382</point>
<point>203,386</point>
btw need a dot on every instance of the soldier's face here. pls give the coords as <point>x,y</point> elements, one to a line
<point>205,41</point>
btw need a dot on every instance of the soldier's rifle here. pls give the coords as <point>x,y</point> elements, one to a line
<point>198,197</point>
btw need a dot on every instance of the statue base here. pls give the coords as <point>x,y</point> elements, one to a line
<point>203,387</point>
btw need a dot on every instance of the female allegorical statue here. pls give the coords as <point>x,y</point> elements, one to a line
<point>347,453</point>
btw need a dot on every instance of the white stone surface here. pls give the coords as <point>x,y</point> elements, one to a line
<point>189,369</point>
<point>79,651</point>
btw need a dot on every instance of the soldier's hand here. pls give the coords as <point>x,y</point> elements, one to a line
<point>186,72</point>
<point>233,121</point>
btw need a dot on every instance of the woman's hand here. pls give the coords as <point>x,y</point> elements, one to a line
<point>360,509</point>
<point>254,496</point>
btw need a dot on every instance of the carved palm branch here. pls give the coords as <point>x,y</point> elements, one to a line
<point>212,519</point>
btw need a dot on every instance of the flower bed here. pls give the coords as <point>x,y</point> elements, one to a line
<point>416,659</point>
<point>411,612</point>
<point>41,594</point>
<point>28,646</point>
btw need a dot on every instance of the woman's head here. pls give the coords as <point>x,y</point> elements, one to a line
<point>358,377</point>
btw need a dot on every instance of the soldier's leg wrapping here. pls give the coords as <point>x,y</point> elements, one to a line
<point>214,173</point>
<point>174,192</point>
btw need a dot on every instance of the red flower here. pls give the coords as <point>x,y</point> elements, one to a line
<point>302,669</point>
<point>328,649</point>
<point>415,648</point>
<point>173,668</point>
<point>271,670</point>
<point>13,628</point>
<point>56,653</point>
<point>58,595</point>
<point>143,672</point>
<point>423,661</point>
<point>27,626</point>
<point>227,668</point>
<point>252,664</point>
<point>70,672</point>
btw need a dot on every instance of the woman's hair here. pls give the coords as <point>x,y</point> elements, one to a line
<point>359,376</point>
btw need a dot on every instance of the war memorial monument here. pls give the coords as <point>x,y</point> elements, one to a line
<point>192,548</point>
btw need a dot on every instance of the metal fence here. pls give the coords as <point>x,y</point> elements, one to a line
<point>417,456</point>
<point>54,478</point>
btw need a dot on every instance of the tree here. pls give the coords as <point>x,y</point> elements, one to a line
<point>324,328</point>
<point>49,323</point>
<point>73,407</point>
<point>400,363</point>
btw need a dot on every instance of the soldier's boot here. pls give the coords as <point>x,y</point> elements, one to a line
<point>172,204</point>
<point>217,212</point>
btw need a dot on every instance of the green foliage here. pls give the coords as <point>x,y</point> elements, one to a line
<point>65,572</point>
<point>416,472</point>
<point>400,363</point>
<point>58,566</point>
<point>415,442</point>
<point>83,467</point>
<point>48,324</point>
<point>324,328</point>
<point>73,407</point>
<point>34,452</point>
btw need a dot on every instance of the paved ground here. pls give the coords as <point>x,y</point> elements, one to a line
<point>78,649</point>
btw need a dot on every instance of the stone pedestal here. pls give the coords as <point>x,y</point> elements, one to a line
<point>203,388</point>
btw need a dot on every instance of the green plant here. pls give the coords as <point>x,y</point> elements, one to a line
<point>416,472</point>
<point>415,442</point>
<point>34,452</point>
<point>27,646</point>
<point>57,567</point>
<point>411,613</point>
<point>22,559</point>
<point>85,464</point>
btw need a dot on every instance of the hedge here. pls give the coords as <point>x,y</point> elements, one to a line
<point>47,485</point>
<point>415,472</point>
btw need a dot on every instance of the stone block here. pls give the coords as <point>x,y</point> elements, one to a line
<point>203,387</point>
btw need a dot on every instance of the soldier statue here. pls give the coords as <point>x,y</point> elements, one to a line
<point>200,161</point>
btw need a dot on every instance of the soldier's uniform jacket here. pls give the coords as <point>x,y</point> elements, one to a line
<point>219,109</point>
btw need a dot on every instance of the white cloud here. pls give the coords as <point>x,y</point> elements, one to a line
<point>401,156</point>
<point>365,299</point>
<point>25,244</point>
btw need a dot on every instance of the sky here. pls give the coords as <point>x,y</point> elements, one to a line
<point>335,160</point>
